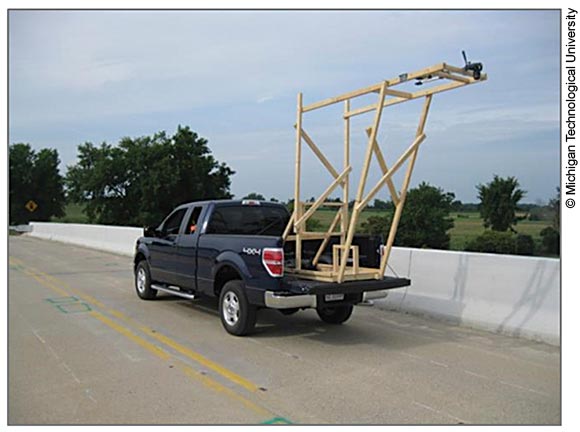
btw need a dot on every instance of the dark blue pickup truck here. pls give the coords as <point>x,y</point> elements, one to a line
<point>233,250</point>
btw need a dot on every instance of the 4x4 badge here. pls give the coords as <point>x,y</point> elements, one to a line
<point>251,251</point>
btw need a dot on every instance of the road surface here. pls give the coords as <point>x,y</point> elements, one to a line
<point>84,349</point>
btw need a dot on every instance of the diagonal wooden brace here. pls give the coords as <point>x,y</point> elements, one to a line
<point>337,181</point>
<point>384,168</point>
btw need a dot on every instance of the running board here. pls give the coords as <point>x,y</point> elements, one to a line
<point>173,291</point>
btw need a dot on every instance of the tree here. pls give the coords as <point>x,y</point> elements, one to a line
<point>457,206</point>
<point>493,242</point>
<point>425,220</point>
<point>142,179</point>
<point>499,203</point>
<point>550,241</point>
<point>34,177</point>
<point>255,196</point>
<point>382,205</point>
<point>554,205</point>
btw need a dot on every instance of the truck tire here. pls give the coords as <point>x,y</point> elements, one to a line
<point>143,281</point>
<point>336,314</point>
<point>237,314</point>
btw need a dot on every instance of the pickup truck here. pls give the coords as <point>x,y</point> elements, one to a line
<point>233,250</point>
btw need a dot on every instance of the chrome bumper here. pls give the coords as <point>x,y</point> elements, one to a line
<point>287,302</point>
<point>374,295</point>
<point>274,301</point>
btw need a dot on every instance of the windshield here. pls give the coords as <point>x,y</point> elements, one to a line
<point>248,220</point>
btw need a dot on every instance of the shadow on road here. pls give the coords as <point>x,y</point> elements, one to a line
<point>364,328</point>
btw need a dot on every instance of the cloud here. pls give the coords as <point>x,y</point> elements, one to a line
<point>234,76</point>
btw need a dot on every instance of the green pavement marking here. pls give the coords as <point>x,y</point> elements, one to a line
<point>73,307</point>
<point>62,300</point>
<point>277,420</point>
<point>69,304</point>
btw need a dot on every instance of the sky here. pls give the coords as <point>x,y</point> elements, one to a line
<point>233,77</point>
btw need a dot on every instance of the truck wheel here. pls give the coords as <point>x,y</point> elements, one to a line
<point>237,314</point>
<point>336,314</point>
<point>143,281</point>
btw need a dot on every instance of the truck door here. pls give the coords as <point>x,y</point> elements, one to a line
<point>186,256</point>
<point>163,248</point>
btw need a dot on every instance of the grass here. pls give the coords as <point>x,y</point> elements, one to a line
<point>73,213</point>
<point>468,225</point>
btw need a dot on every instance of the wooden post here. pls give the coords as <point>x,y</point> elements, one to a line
<point>384,168</point>
<point>297,207</point>
<point>405,186</point>
<point>362,182</point>
<point>345,189</point>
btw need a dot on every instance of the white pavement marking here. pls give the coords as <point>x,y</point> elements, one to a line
<point>430,408</point>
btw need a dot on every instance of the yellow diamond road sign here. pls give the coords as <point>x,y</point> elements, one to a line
<point>31,206</point>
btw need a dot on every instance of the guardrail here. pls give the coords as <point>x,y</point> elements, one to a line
<point>509,294</point>
<point>108,238</point>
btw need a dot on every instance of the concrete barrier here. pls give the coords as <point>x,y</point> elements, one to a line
<point>503,293</point>
<point>114,239</point>
<point>509,294</point>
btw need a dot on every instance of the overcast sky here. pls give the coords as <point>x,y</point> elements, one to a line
<point>233,78</point>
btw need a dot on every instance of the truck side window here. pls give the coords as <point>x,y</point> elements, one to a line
<point>192,224</point>
<point>173,222</point>
<point>248,220</point>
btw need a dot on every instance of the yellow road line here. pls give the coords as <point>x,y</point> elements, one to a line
<point>188,370</point>
<point>128,334</point>
<point>48,281</point>
<point>195,356</point>
<point>226,373</point>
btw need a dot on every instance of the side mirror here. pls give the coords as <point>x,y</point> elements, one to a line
<point>150,232</point>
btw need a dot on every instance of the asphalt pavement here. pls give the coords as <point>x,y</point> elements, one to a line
<point>84,349</point>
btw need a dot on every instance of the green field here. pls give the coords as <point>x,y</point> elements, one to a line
<point>468,225</point>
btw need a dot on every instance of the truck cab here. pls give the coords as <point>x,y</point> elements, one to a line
<point>233,250</point>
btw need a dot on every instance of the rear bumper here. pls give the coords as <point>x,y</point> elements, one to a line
<point>279,301</point>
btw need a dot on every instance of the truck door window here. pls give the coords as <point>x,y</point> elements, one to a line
<point>192,227</point>
<point>173,222</point>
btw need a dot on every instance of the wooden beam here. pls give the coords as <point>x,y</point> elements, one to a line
<point>449,76</point>
<point>325,204</point>
<point>416,95</point>
<point>343,97</point>
<point>319,154</point>
<point>362,182</point>
<point>322,197</point>
<point>289,225</point>
<point>384,169</point>
<point>401,78</point>
<point>391,172</point>
<point>399,93</point>
<point>311,235</point>
<point>346,162</point>
<point>399,209</point>
<point>297,207</point>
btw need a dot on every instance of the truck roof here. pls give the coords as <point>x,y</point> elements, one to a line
<point>229,202</point>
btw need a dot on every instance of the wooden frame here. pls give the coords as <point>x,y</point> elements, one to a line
<point>339,271</point>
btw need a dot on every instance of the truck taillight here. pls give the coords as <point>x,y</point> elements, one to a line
<point>273,260</point>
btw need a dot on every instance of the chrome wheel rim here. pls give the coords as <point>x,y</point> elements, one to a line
<point>231,308</point>
<point>141,280</point>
